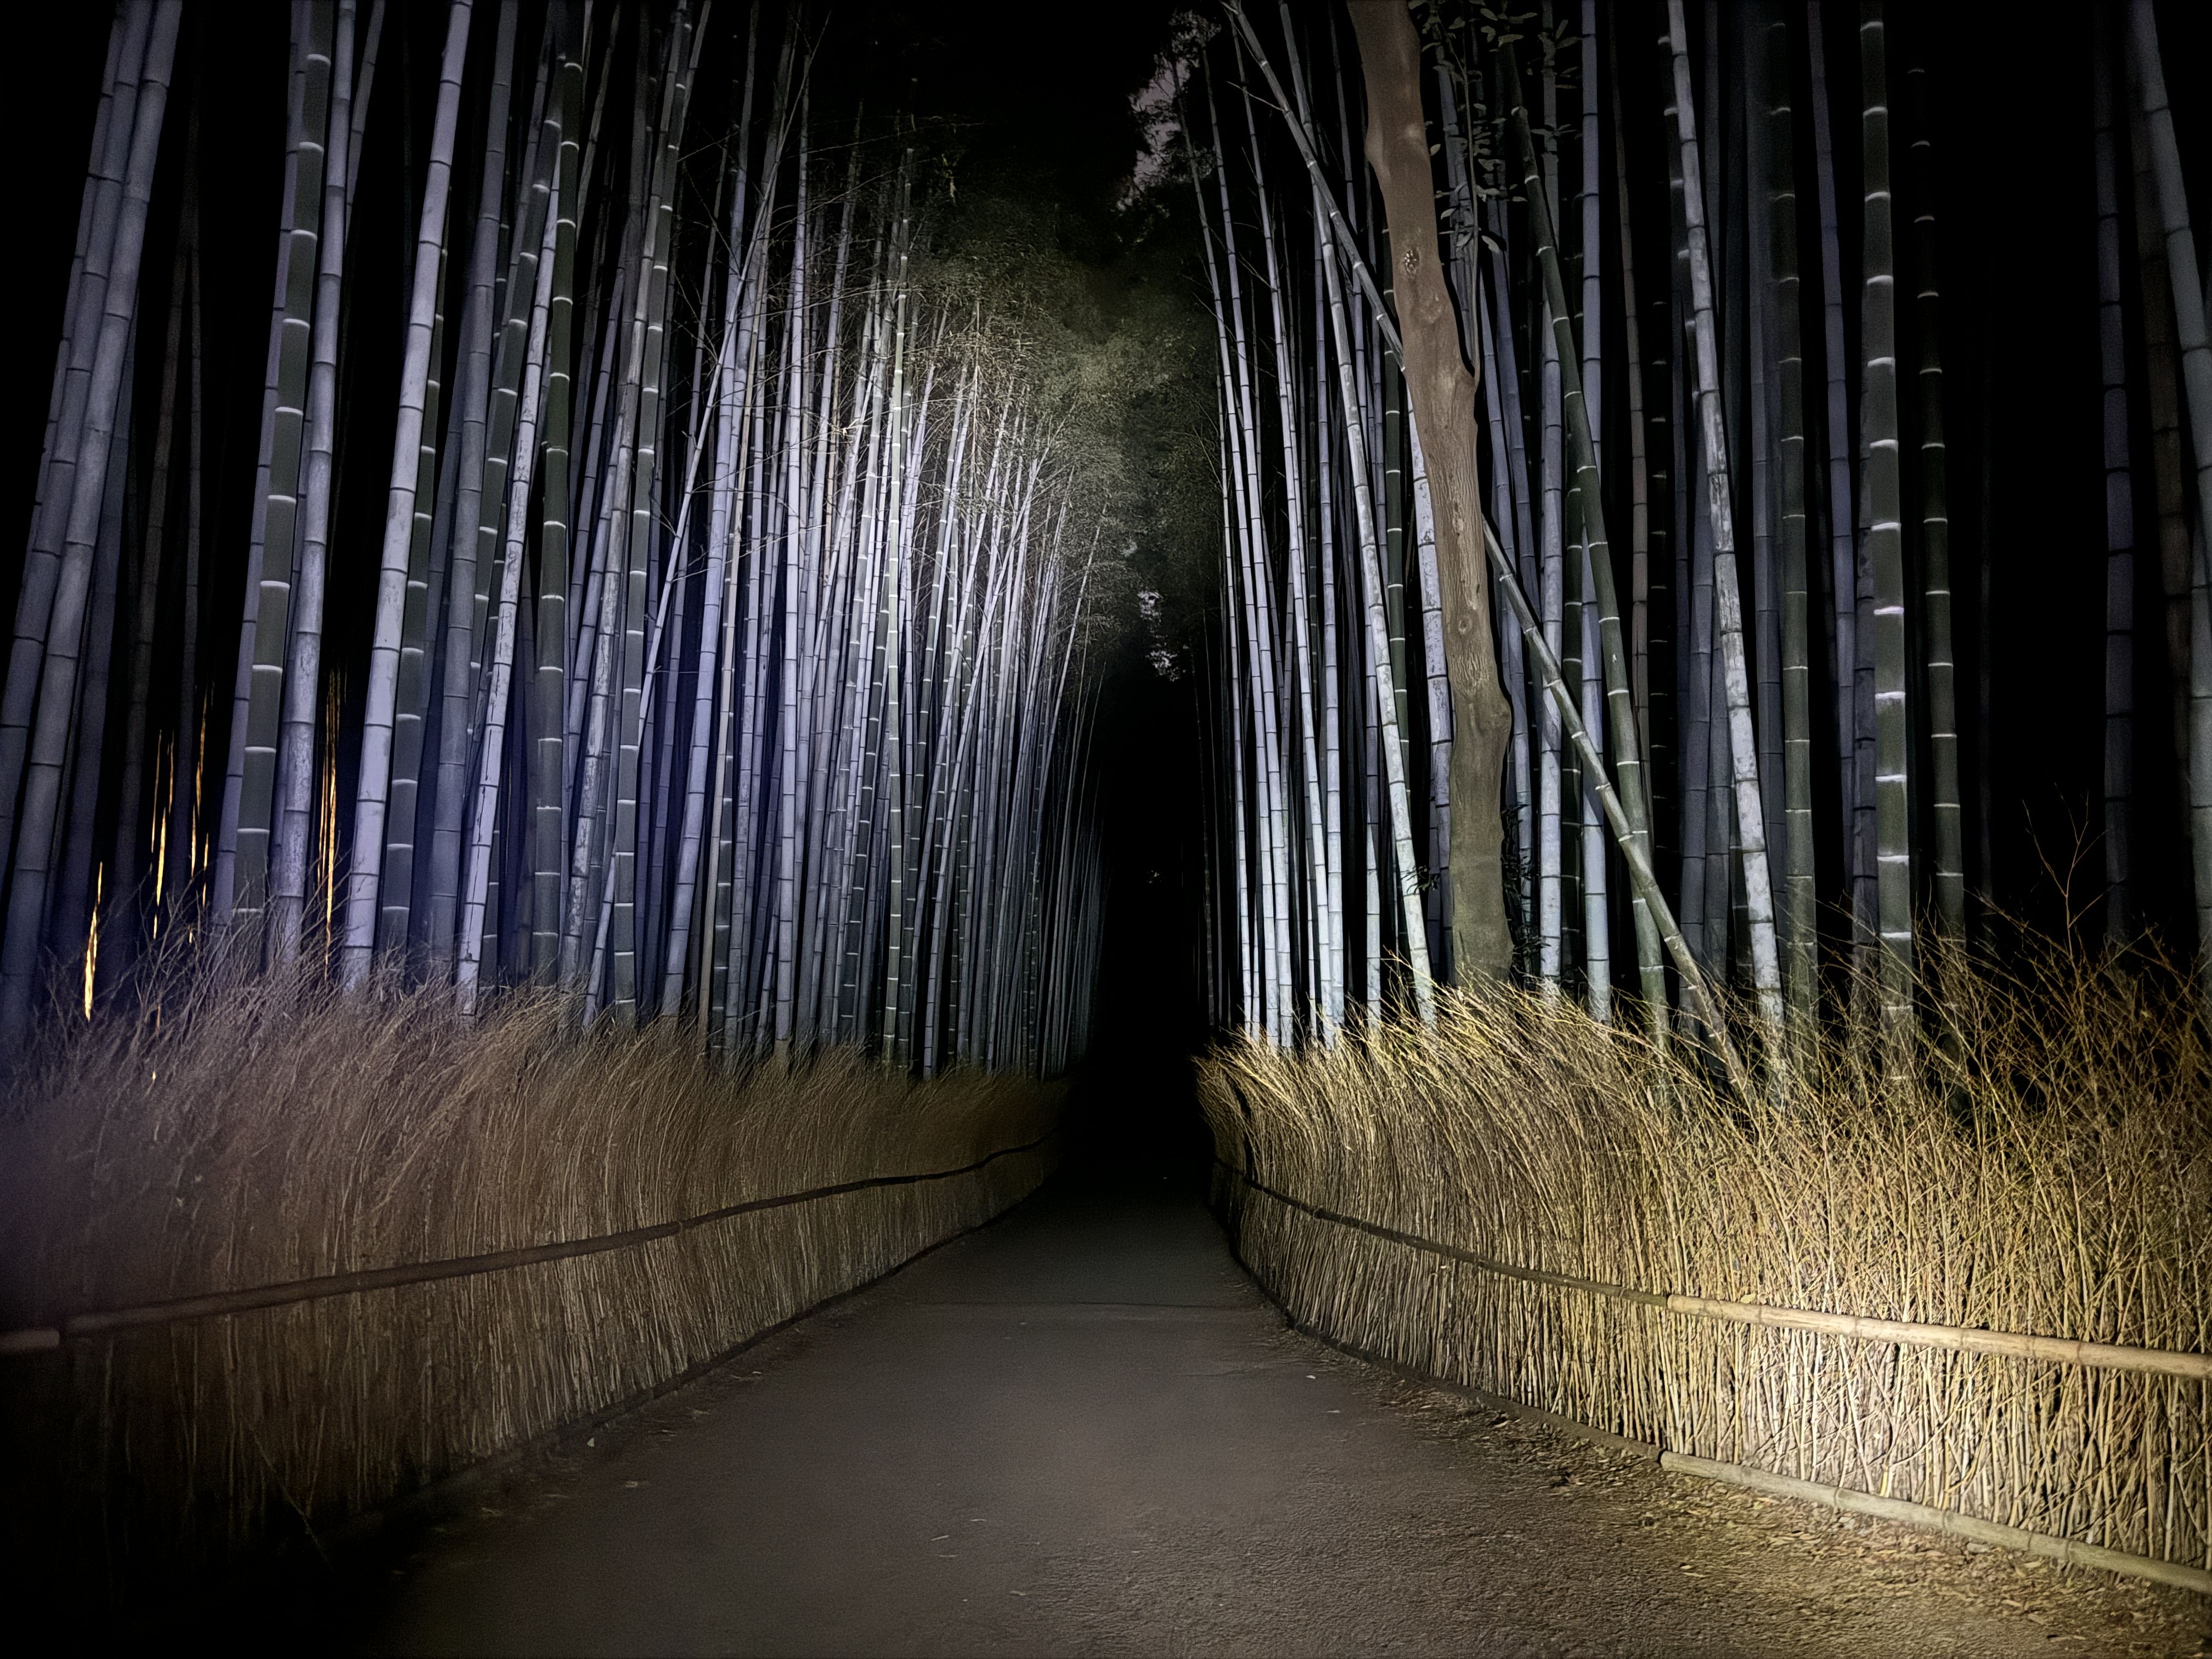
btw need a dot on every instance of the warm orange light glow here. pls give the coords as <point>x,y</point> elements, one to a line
<point>92,937</point>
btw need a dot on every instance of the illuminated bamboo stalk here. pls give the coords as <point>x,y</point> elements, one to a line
<point>50,737</point>
<point>1799,900</point>
<point>1600,609</point>
<point>86,304</point>
<point>1835,429</point>
<point>414,472</point>
<point>72,927</point>
<point>1412,937</point>
<point>1879,421</point>
<point>295,785</point>
<point>477,869</point>
<point>480,520</point>
<point>1766,980</point>
<point>242,864</point>
<point>547,759</point>
<point>1603,599</point>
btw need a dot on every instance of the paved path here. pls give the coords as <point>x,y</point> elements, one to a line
<point>1082,1431</point>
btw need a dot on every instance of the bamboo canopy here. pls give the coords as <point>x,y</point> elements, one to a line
<point>723,656</point>
<point>1764,668</point>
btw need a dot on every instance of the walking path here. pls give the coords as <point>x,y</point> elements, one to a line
<point>1083,1430</point>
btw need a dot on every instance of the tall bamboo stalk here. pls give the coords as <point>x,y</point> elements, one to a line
<point>302,674</point>
<point>2195,347</point>
<point>413,473</point>
<point>1766,983</point>
<point>1800,890</point>
<point>1879,422</point>
<point>1947,838</point>
<point>2120,508</point>
<point>48,747</point>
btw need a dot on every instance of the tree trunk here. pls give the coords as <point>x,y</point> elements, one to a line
<point>1442,388</point>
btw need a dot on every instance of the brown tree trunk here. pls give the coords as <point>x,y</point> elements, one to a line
<point>1444,391</point>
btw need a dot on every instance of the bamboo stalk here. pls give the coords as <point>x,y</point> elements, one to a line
<point>407,469</point>
<point>1751,832</point>
<point>1878,415</point>
<point>2195,347</point>
<point>49,746</point>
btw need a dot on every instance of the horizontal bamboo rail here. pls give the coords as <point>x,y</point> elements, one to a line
<point>1923,1517</point>
<point>1910,1333</point>
<point>2064,1551</point>
<point>44,1339</point>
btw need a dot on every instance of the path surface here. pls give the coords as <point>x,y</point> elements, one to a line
<point>1082,1431</point>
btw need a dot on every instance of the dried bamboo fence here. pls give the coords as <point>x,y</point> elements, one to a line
<point>1856,1293</point>
<point>273,1270</point>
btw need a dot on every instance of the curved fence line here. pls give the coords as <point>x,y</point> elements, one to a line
<point>45,1338</point>
<point>1961,1338</point>
<point>2065,1551</point>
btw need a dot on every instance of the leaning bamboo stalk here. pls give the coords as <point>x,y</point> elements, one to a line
<point>1642,879</point>
<point>1619,696</point>
<point>72,925</point>
<point>1327,950</point>
<point>1766,976</point>
<point>1640,874</point>
<point>74,362</point>
<point>482,470</point>
<point>476,870</point>
<point>49,750</point>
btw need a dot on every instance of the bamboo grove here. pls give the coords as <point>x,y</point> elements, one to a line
<point>1714,503</point>
<point>719,650</point>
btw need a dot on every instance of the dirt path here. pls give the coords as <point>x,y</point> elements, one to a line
<point>1084,1431</point>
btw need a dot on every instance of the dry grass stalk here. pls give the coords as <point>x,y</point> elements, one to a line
<point>2041,1163</point>
<point>236,1135</point>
